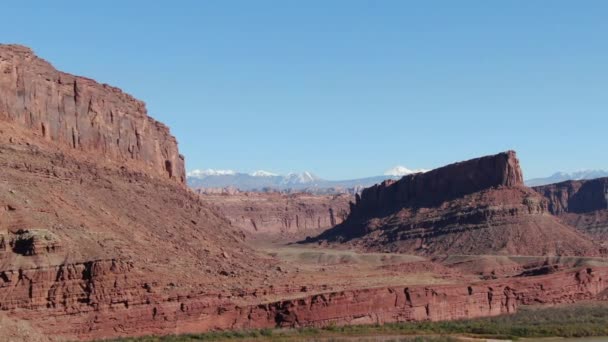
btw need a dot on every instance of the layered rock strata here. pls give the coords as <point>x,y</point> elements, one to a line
<point>81,114</point>
<point>582,204</point>
<point>281,214</point>
<point>106,299</point>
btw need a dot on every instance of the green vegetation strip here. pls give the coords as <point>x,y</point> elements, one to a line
<point>580,320</point>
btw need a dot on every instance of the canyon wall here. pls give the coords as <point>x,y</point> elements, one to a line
<point>105,298</point>
<point>576,196</point>
<point>81,114</point>
<point>582,204</point>
<point>278,213</point>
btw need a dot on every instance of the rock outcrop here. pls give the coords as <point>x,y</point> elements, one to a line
<point>582,204</point>
<point>81,114</point>
<point>475,207</point>
<point>281,214</point>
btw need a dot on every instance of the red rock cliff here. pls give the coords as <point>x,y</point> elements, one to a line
<point>576,196</point>
<point>84,115</point>
<point>105,299</point>
<point>444,183</point>
<point>582,204</point>
<point>281,214</point>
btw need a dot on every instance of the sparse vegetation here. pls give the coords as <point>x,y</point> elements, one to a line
<point>580,320</point>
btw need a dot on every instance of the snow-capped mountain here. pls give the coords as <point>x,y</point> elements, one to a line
<point>300,178</point>
<point>402,171</point>
<point>257,180</point>
<point>304,181</point>
<point>210,172</point>
<point>563,176</point>
<point>262,173</point>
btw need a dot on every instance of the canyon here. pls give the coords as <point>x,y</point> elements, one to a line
<point>100,237</point>
<point>281,214</point>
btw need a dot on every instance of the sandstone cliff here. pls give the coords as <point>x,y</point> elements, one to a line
<point>445,183</point>
<point>475,207</point>
<point>582,204</point>
<point>576,196</point>
<point>83,115</point>
<point>281,214</point>
<point>91,190</point>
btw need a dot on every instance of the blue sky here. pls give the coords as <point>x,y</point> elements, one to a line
<point>345,88</point>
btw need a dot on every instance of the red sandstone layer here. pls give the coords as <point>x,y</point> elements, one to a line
<point>107,299</point>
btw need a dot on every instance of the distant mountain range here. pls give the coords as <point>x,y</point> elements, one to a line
<point>268,181</point>
<point>563,176</point>
<point>306,181</point>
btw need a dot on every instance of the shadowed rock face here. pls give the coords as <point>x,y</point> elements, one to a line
<point>84,115</point>
<point>582,204</point>
<point>280,214</point>
<point>576,196</point>
<point>478,206</point>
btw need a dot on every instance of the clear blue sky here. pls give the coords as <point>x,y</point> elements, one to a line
<point>345,88</point>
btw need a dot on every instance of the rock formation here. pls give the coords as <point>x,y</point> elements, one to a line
<point>475,207</point>
<point>84,115</point>
<point>281,214</point>
<point>582,204</point>
<point>91,187</point>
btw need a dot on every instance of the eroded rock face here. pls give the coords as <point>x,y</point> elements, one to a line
<point>582,204</point>
<point>281,214</point>
<point>84,115</point>
<point>105,298</point>
<point>475,207</point>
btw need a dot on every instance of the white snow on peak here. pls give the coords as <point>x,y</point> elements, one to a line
<point>210,172</point>
<point>564,176</point>
<point>262,173</point>
<point>300,178</point>
<point>402,171</point>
